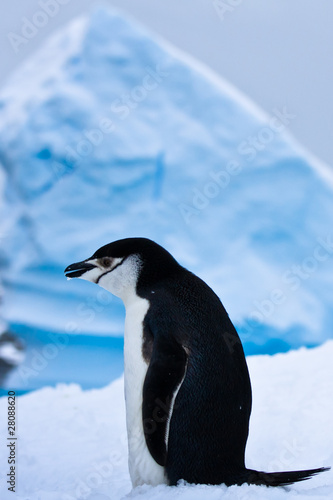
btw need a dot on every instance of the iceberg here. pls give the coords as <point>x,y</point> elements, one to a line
<point>109,132</point>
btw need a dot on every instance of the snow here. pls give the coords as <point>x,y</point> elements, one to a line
<point>116,134</point>
<point>72,444</point>
<point>10,353</point>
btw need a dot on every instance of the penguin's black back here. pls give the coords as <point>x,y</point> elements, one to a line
<point>209,424</point>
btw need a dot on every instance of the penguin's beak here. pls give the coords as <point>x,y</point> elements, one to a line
<point>78,268</point>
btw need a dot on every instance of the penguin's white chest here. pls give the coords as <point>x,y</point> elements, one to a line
<point>142,467</point>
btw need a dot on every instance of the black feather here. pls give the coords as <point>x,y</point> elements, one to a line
<point>281,478</point>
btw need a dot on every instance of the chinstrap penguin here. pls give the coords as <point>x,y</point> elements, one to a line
<point>187,386</point>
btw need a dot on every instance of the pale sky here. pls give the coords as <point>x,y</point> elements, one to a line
<point>278,52</point>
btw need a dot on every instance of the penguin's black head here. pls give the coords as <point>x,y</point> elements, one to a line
<point>120,267</point>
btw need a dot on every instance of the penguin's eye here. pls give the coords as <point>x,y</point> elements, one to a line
<point>106,261</point>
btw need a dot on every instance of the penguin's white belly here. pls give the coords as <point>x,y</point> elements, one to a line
<point>142,467</point>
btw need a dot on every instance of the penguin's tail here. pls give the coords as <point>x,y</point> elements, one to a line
<point>281,478</point>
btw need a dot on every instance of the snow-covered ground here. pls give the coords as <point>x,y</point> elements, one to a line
<point>72,443</point>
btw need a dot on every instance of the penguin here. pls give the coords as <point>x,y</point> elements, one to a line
<point>187,385</point>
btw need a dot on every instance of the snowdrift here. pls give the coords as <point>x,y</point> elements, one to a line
<point>72,444</point>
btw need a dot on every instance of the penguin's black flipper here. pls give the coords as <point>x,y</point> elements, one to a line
<point>281,478</point>
<point>163,379</point>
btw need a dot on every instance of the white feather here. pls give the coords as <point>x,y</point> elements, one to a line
<point>143,468</point>
<point>121,281</point>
